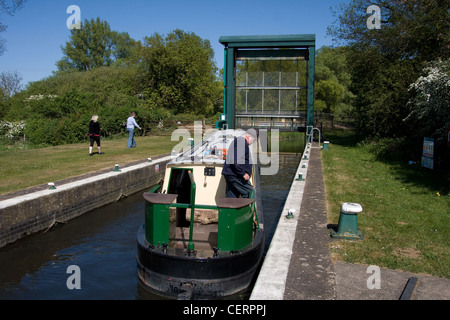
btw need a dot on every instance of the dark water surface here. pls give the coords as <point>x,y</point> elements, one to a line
<point>102,243</point>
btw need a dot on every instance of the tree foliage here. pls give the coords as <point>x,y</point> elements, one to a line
<point>10,82</point>
<point>430,107</point>
<point>178,73</point>
<point>413,29</point>
<point>332,83</point>
<point>10,7</point>
<point>58,109</point>
<point>107,73</point>
<point>385,62</point>
<point>95,45</point>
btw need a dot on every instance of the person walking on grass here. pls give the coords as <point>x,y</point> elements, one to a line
<point>131,124</point>
<point>94,134</point>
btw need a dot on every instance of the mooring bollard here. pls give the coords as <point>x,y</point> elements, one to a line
<point>325,145</point>
<point>290,214</point>
<point>116,168</point>
<point>348,222</point>
<point>300,177</point>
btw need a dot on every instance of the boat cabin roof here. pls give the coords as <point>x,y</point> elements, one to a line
<point>211,149</point>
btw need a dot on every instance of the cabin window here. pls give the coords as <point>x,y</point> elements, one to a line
<point>180,184</point>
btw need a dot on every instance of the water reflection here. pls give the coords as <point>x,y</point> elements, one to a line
<point>101,243</point>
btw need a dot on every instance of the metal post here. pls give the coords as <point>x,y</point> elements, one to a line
<point>191,227</point>
<point>230,87</point>
<point>311,77</point>
<point>296,91</point>
<point>225,93</point>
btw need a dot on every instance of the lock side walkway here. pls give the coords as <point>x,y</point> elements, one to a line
<point>311,273</point>
<point>298,264</point>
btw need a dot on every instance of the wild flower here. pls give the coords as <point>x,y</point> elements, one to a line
<point>12,130</point>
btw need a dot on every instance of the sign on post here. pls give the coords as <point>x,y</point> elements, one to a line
<point>448,136</point>
<point>428,153</point>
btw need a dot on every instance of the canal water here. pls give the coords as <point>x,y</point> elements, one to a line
<point>102,244</point>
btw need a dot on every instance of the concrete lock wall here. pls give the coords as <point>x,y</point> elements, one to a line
<point>26,214</point>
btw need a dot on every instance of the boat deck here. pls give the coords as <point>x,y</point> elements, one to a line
<point>204,237</point>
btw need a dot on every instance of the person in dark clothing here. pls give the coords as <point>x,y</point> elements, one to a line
<point>237,169</point>
<point>94,134</point>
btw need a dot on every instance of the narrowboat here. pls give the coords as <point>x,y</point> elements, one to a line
<point>195,243</point>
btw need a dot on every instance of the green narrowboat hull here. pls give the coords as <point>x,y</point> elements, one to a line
<point>195,243</point>
<point>188,277</point>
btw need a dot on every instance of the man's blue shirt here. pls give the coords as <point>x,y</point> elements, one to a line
<point>238,162</point>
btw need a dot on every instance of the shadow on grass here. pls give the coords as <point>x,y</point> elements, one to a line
<point>395,156</point>
<point>419,176</point>
<point>342,137</point>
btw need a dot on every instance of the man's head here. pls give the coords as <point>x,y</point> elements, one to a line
<point>250,135</point>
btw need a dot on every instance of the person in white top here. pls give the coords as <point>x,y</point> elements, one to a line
<point>131,124</point>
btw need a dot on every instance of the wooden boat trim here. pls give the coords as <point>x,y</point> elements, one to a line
<point>160,198</point>
<point>234,203</point>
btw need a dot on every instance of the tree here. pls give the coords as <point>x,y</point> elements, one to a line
<point>9,86</point>
<point>9,8</point>
<point>413,29</point>
<point>430,109</point>
<point>430,106</point>
<point>384,62</point>
<point>168,75</point>
<point>10,82</point>
<point>330,92</point>
<point>95,45</point>
<point>178,73</point>
<point>332,81</point>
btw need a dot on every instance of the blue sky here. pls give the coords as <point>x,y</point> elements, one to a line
<point>36,33</point>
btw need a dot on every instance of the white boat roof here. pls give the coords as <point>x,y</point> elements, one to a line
<point>209,150</point>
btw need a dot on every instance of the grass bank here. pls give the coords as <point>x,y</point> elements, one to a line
<point>21,169</point>
<point>406,215</point>
<point>24,166</point>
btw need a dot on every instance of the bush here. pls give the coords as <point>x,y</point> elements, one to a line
<point>12,130</point>
<point>387,148</point>
<point>41,131</point>
<point>58,109</point>
<point>113,120</point>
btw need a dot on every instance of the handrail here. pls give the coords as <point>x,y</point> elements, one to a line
<point>155,188</point>
<point>188,206</point>
<point>191,227</point>
<point>310,135</point>
<point>255,214</point>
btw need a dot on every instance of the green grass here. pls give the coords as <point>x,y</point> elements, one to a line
<point>406,213</point>
<point>21,169</point>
